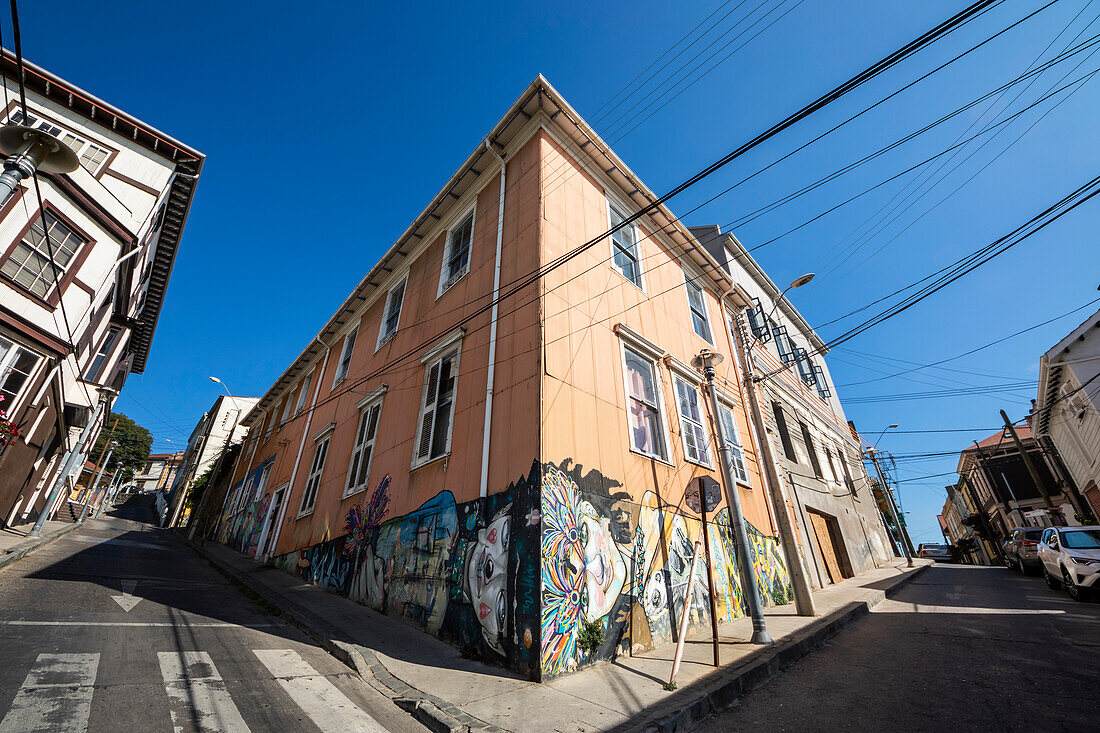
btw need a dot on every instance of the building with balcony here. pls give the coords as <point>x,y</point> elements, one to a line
<point>85,260</point>
<point>1067,411</point>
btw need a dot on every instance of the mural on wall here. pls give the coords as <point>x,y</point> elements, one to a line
<point>619,571</point>
<point>561,569</point>
<point>243,516</point>
<point>466,572</point>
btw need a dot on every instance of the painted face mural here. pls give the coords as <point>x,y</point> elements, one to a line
<point>584,569</point>
<point>486,579</point>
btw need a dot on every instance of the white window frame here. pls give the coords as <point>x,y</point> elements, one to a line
<point>447,280</point>
<point>696,427</point>
<point>83,147</point>
<point>689,286</point>
<point>304,394</point>
<point>653,359</point>
<point>286,408</point>
<point>449,347</point>
<point>7,360</point>
<point>618,210</point>
<point>321,443</point>
<point>365,440</point>
<point>105,351</point>
<point>384,336</point>
<point>737,448</point>
<point>344,365</point>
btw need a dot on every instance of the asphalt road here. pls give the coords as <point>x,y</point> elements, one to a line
<point>119,626</point>
<point>961,648</point>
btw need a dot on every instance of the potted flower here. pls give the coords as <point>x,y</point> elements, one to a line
<point>9,431</point>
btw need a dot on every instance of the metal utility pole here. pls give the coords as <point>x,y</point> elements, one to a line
<point>707,359</point>
<point>1031,469</point>
<point>903,537</point>
<point>800,584</point>
<point>110,447</point>
<point>109,495</point>
<point>76,455</point>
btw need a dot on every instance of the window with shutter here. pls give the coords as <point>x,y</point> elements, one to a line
<point>805,367</point>
<point>363,451</point>
<point>783,343</point>
<point>822,385</point>
<point>696,445</point>
<point>733,442</point>
<point>345,357</point>
<point>436,411</point>
<point>313,479</point>
<point>643,405</point>
<point>757,324</point>
<point>392,315</point>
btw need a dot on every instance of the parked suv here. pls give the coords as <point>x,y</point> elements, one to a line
<point>1021,549</point>
<point>1071,559</point>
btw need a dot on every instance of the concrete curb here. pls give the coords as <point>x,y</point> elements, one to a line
<point>18,552</point>
<point>433,712</point>
<point>724,688</point>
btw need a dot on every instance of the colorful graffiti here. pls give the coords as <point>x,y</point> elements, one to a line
<point>626,567</point>
<point>516,576</point>
<point>245,511</point>
<point>466,572</point>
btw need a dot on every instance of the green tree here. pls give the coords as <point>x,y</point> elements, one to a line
<point>134,444</point>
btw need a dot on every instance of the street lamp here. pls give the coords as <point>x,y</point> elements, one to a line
<point>707,360</point>
<point>31,150</point>
<point>215,380</point>
<point>194,521</point>
<point>879,438</point>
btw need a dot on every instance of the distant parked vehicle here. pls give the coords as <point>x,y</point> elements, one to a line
<point>940,553</point>
<point>1021,549</point>
<point>1070,558</point>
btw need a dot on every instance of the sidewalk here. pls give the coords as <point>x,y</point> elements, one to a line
<point>448,692</point>
<point>14,542</point>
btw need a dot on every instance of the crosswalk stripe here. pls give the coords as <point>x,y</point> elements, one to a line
<point>322,701</point>
<point>197,695</point>
<point>56,697</point>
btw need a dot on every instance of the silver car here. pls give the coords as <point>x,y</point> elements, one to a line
<point>1071,559</point>
<point>1021,549</point>
<point>932,551</point>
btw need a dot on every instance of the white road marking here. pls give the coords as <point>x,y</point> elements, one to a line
<point>56,697</point>
<point>127,600</point>
<point>213,625</point>
<point>115,541</point>
<point>197,695</point>
<point>899,607</point>
<point>326,706</point>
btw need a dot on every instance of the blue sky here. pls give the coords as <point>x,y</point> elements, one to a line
<point>328,128</point>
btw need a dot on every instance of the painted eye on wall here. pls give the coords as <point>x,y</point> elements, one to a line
<point>487,568</point>
<point>584,600</point>
<point>584,534</point>
<point>502,608</point>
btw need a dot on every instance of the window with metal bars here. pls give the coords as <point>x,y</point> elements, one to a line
<point>437,409</point>
<point>805,367</point>
<point>757,324</point>
<point>782,343</point>
<point>822,384</point>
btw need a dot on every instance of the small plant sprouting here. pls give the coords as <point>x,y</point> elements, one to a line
<point>591,636</point>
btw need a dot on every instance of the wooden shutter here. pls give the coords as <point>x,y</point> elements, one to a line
<point>428,412</point>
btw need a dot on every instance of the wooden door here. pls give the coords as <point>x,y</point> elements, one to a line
<point>825,546</point>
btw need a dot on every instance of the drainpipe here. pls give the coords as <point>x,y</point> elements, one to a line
<point>491,371</point>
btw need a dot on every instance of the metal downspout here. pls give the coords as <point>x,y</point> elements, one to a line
<point>491,371</point>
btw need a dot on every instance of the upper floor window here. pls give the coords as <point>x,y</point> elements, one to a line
<point>29,262</point>
<point>815,464</point>
<point>733,442</point>
<point>698,307</point>
<point>437,408</point>
<point>822,385</point>
<point>782,343</point>
<point>345,357</point>
<point>392,315</point>
<point>91,156</point>
<point>456,258</point>
<point>363,451</point>
<point>696,445</point>
<point>644,405</point>
<point>16,366</point>
<point>313,478</point>
<point>784,432</point>
<point>95,369</point>
<point>303,394</point>
<point>287,407</point>
<point>624,248</point>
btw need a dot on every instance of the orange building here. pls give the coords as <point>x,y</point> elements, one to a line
<point>493,436</point>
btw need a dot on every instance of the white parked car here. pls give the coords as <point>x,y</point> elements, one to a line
<point>1071,559</point>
